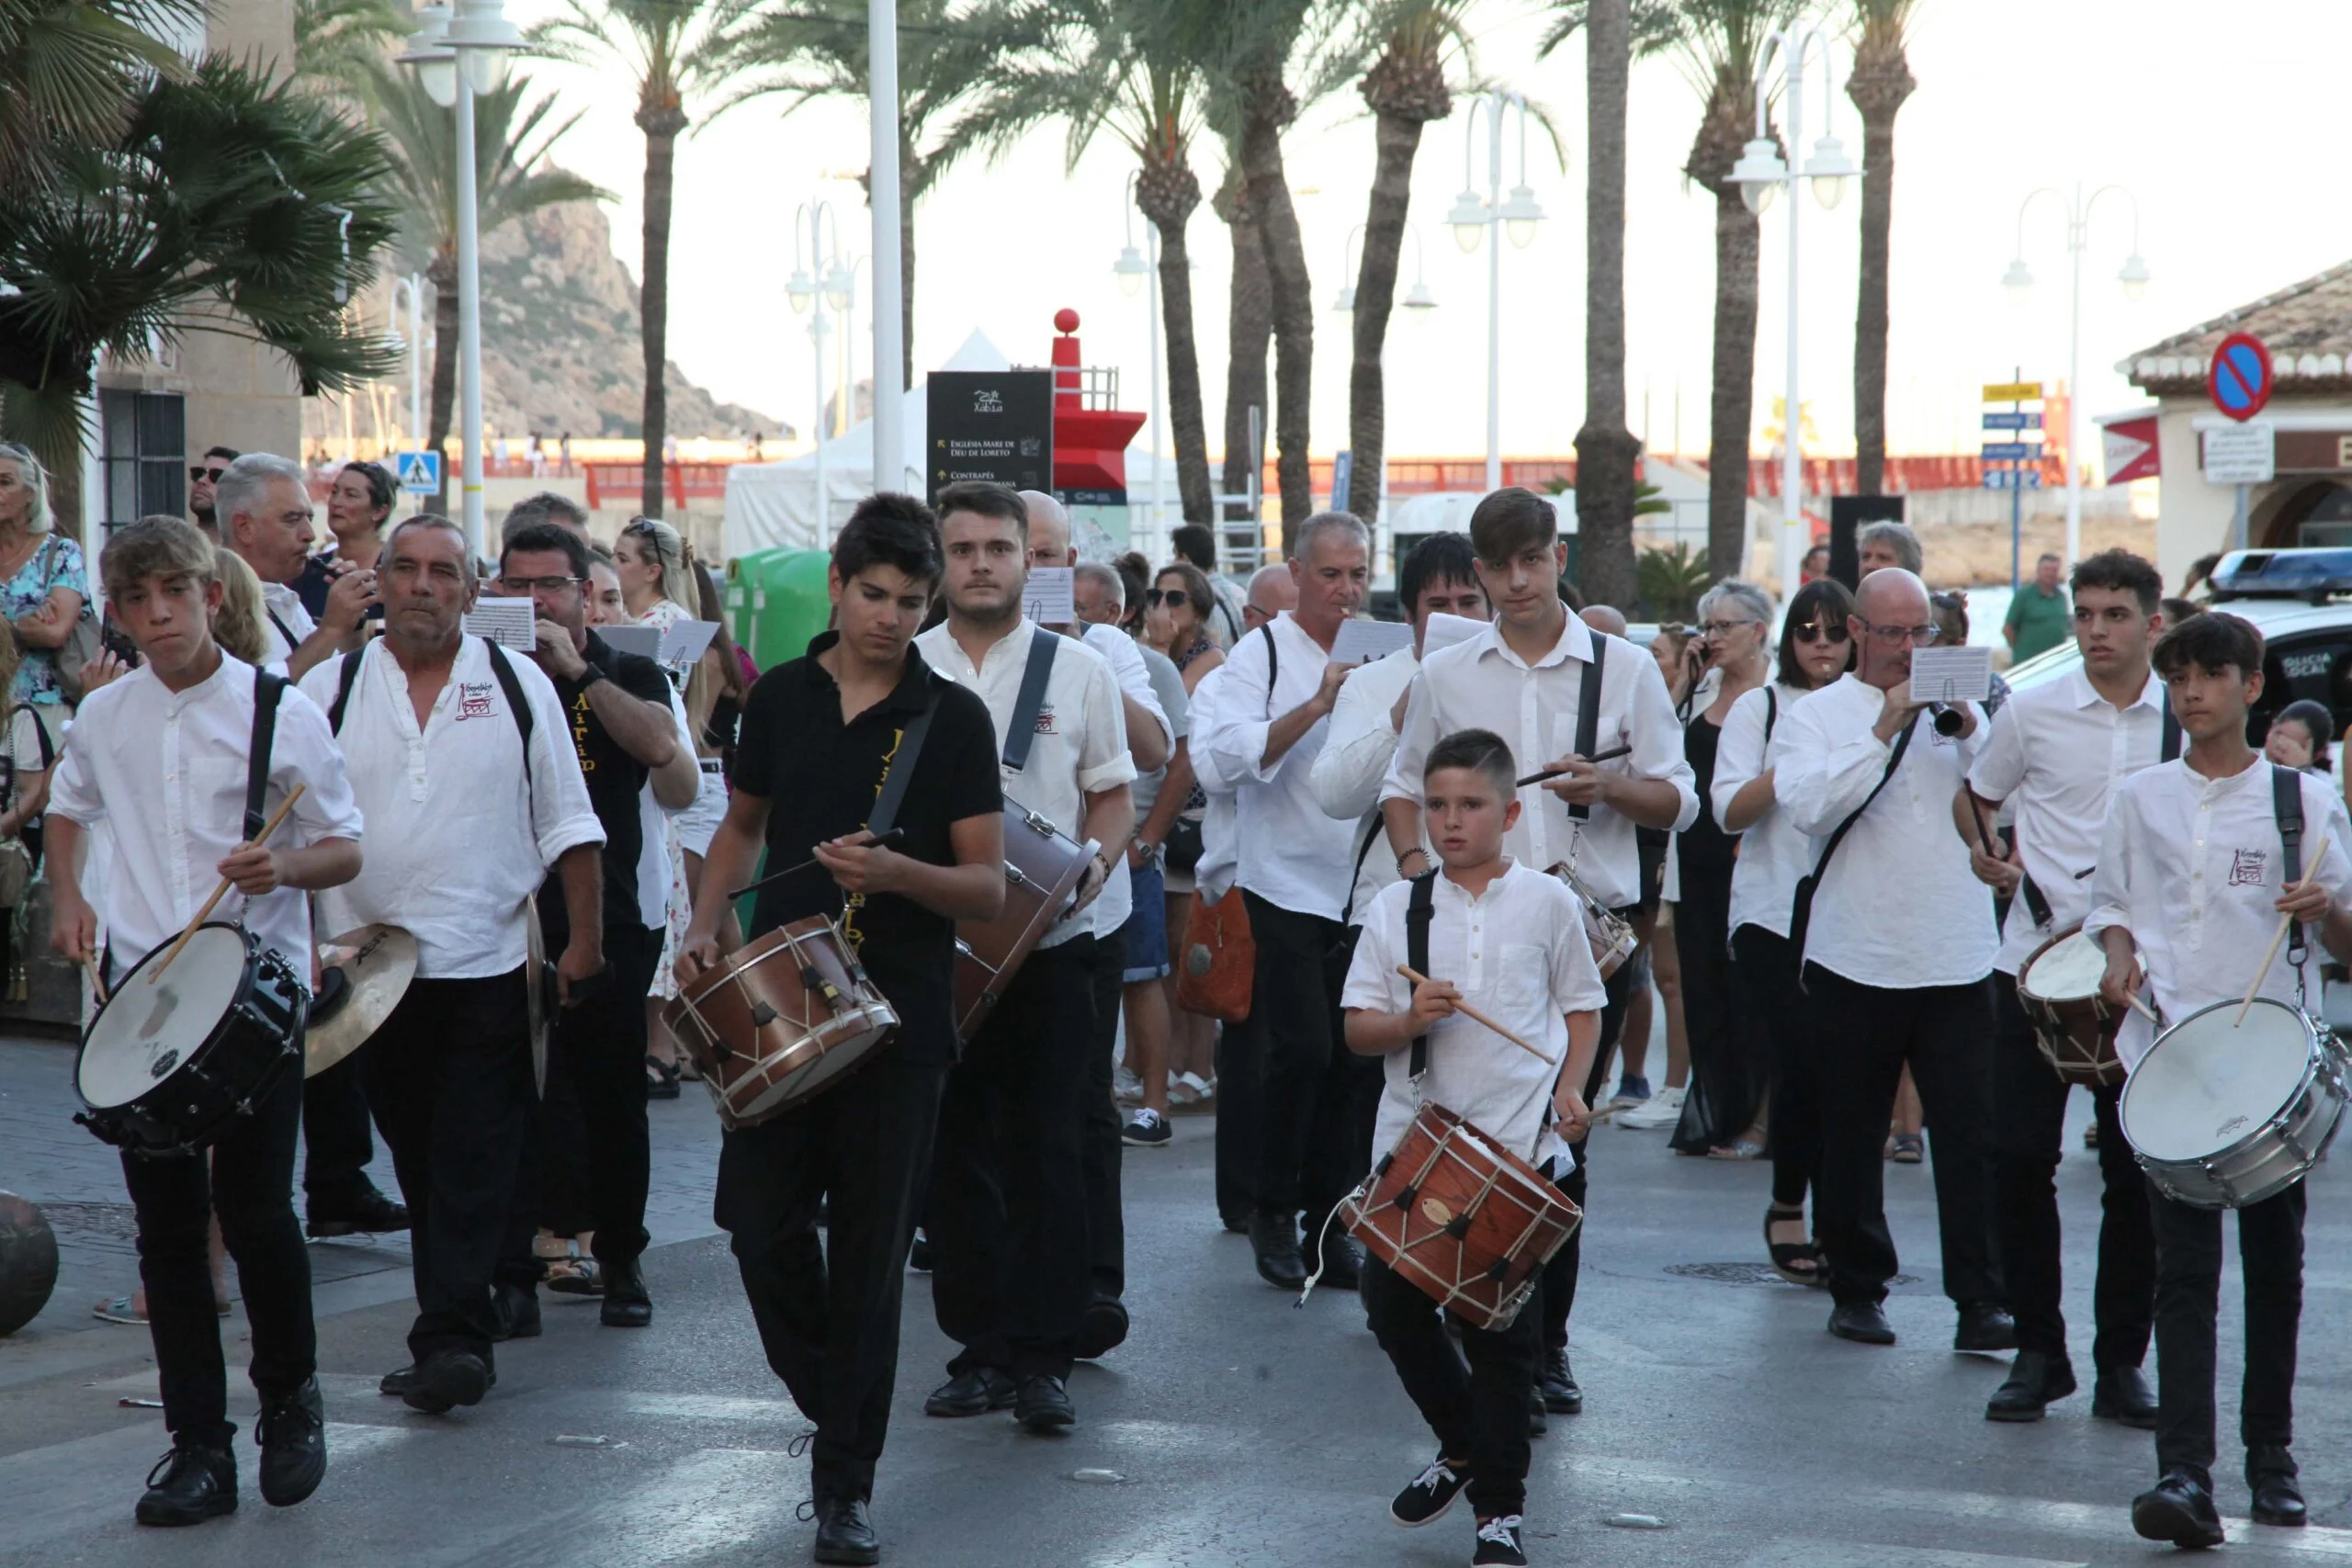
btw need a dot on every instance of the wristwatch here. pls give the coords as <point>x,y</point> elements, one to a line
<point>590,674</point>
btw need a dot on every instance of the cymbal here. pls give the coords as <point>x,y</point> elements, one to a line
<point>377,962</point>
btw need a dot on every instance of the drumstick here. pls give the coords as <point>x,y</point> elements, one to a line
<point>890,841</point>
<point>1466,1010</point>
<point>1608,756</point>
<point>89,961</point>
<point>223,891</point>
<point>2285,922</point>
<point>2144,1009</point>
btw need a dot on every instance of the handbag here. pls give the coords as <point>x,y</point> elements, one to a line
<point>83,644</point>
<point>1220,967</point>
<point>1182,845</point>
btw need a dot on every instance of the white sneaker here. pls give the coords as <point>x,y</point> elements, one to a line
<point>1125,1088</point>
<point>1663,1109</point>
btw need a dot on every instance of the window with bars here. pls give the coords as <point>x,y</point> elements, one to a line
<point>142,455</point>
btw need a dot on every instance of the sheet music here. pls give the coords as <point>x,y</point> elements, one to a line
<point>506,622</point>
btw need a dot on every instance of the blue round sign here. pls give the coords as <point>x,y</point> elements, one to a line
<point>2239,377</point>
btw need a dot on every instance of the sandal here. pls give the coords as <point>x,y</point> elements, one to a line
<point>1798,1262</point>
<point>660,1078</point>
<point>1910,1149</point>
<point>1740,1148</point>
<point>575,1277</point>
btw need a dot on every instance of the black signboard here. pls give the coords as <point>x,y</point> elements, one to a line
<point>1848,514</point>
<point>990,424</point>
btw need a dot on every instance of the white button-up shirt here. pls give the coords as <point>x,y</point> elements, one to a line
<point>1518,953</point>
<point>1479,684</point>
<point>2193,868</point>
<point>165,772</point>
<point>1899,908</point>
<point>1774,853</point>
<point>456,844</point>
<point>1353,764</point>
<point>1080,747</point>
<point>1117,900</point>
<point>1220,834</point>
<point>286,610</point>
<point>653,835</point>
<point>2056,753</point>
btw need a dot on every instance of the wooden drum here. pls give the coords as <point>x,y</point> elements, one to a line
<point>779,1019</point>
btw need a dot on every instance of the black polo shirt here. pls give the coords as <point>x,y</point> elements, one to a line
<point>820,776</point>
<point>616,779</point>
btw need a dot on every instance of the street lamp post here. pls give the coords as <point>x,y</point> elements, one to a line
<point>2134,277</point>
<point>890,347</point>
<point>1418,297</point>
<point>810,279</point>
<point>1470,220</point>
<point>414,284</point>
<point>1139,274</point>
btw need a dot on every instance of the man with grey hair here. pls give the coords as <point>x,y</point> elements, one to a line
<point>546,506</point>
<point>263,502</point>
<point>1882,544</point>
<point>1282,1075</point>
<point>1273,590</point>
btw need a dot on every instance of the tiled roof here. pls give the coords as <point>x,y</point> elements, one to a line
<point>2307,327</point>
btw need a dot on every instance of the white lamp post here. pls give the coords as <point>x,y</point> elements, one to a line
<point>1470,220</point>
<point>812,277</point>
<point>1761,174</point>
<point>1139,274</point>
<point>2134,277</point>
<point>890,347</point>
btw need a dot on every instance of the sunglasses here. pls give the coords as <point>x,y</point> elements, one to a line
<point>1815,631</point>
<point>198,471</point>
<point>1174,597</point>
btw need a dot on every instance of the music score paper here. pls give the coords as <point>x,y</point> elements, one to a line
<point>506,622</point>
<point>1047,597</point>
<point>1952,674</point>
<point>1361,638</point>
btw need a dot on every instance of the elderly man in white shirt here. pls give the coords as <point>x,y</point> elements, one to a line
<point>1011,1276</point>
<point>1535,678</point>
<point>1283,1074</point>
<point>461,756</point>
<point>1895,959</point>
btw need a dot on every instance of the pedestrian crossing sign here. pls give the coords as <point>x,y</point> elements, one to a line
<point>419,472</point>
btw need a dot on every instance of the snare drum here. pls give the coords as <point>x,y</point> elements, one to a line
<point>1461,1218</point>
<point>169,1067</point>
<point>1611,935</point>
<point>779,1019</point>
<point>2223,1117</point>
<point>2058,987</point>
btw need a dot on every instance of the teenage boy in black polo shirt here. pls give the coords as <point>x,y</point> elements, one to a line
<point>820,735</point>
<point>624,731</point>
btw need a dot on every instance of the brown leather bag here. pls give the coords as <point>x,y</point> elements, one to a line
<point>1220,964</point>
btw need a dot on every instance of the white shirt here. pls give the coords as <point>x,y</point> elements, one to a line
<point>2057,751</point>
<point>1899,908</point>
<point>1117,900</point>
<point>1293,855</point>
<point>1079,748</point>
<point>1353,764</point>
<point>1220,834</point>
<point>165,771</point>
<point>1518,953</point>
<point>653,840</point>
<point>1774,853</point>
<point>1479,684</point>
<point>285,609</point>
<point>2193,868</point>
<point>456,845</point>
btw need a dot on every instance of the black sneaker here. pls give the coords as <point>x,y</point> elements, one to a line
<point>189,1485</point>
<point>1146,1129</point>
<point>364,1214</point>
<point>445,1380</point>
<point>1498,1543</point>
<point>292,1432</point>
<point>397,1382</point>
<point>1430,1494</point>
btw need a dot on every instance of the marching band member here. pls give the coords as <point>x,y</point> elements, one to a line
<point>2058,751</point>
<point>1513,939</point>
<point>2191,873</point>
<point>822,737</point>
<point>162,756</point>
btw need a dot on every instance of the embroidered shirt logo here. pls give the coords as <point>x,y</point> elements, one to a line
<point>2246,867</point>
<point>1046,720</point>
<point>474,699</point>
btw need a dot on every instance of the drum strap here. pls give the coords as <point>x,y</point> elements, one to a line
<point>903,766</point>
<point>268,689</point>
<point>1588,713</point>
<point>500,666</point>
<point>1772,712</point>
<point>1372,832</point>
<point>2168,750</point>
<point>1032,700</point>
<point>1418,911</point>
<point>2287,805</point>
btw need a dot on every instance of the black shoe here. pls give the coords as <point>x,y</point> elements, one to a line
<point>1498,1544</point>
<point>1984,1328</point>
<point>292,1432</point>
<point>1862,1323</point>
<point>1274,1238</point>
<point>446,1379</point>
<point>1103,1328</point>
<point>844,1533</point>
<point>370,1212</point>
<point>918,1254</point>
<point>972,1393</point>
<point>626,1304</point>
<point>1043,1405</point>
<point>1561,1395</point>
<point>2123,1395</point>
<point>2037,1380</point>
<point>513,1313</point>
<point>1341,1260</point>
<point>190,1485</point>
<point>2270,1472</point>
<point>1234,1220</point>
<point>1428,1494</point>
<point>399,1382</point>
<point>1539,1420</point>
<point>2179,1511</point>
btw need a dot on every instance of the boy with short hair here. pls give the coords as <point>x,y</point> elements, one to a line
<point>1508,941</point>
<point>2198,859</point>
<point>160,754</point>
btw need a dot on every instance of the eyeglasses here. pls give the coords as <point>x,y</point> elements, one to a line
<point>199,471</point>
<point>1725,628</point>
<point>1172,597</point>
<point>1833,632</point>
<point>521,585</point>
<point>1917,636</point>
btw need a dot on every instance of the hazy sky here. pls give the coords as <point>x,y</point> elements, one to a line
<point>2011,96</point>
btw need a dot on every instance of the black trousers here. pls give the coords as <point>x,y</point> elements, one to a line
<point>1556,1296</point>
<point>2029,1123</point>
<point>1778,1006</point>
<point>1478,1411</point>
<point>1106,1234</point>
<point>336,1145</point>
<point>1730,1057</point>
<point>2189,1290</point>
<point>449,1075</point>
<point>248,1179</point>
<point>828,1312</point>
<point>1007,1210</point>
<point>1276,1075</point>
<point>1863,1037</point>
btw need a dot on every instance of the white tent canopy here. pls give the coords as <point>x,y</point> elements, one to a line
<point>774,505</point>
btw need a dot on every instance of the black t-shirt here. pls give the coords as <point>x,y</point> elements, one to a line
<point>820,776</point>
<point>614,779</point>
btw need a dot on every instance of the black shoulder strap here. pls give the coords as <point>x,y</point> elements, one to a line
<point>347,677</point>
<point>902,759</point>
<point>1589,711</point>
<point>1772,711</point>
<point>2287,805</point>
<point>1838,834</point>
<point>292,642</point>
<point>512,684</point>
<point>1418,911</point>
<point>2169,751</point>
<point>1273,666</point>
<point>1032,700</point>
<point>268,689</point>
<point>1373,829</point>
<point>48,753</point>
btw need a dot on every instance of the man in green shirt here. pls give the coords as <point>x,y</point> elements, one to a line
<point>2040,618</point>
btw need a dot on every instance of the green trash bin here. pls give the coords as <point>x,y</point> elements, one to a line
<point>777,601</point>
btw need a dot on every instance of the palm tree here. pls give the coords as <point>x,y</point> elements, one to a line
<point>336,40</point>
<point>513,178</point>
<point>1250,334</point>
<point>1880,82</point>
<point>71,71</point>
<point>673,51</point>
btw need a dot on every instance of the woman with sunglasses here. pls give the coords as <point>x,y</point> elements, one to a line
<point>1815,650</point>
<point>1176,610</point>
